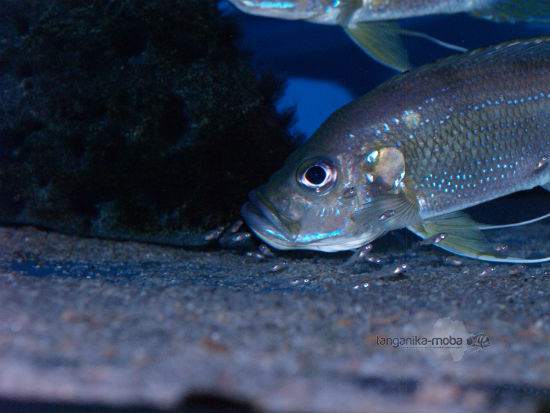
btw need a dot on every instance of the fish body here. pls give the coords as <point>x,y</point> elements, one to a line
<point>352,12</point>
<point>416,151</point>
<point>368,22</point>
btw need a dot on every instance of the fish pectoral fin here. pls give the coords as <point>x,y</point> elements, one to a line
<point>388,212</point>
<point>458,233</point>
<point>514,11</point>
<point>382,42</point>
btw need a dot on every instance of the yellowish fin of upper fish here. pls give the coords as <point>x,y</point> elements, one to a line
<point>371,25</point>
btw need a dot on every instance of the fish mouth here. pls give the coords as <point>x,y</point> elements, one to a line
<point>259,214</point>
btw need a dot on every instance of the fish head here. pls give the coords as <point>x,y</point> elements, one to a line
<point>318,199</point>
<point>286,9</point>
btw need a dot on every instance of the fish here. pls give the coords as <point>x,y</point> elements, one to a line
<point>415,152</point>
<point>371,23</point>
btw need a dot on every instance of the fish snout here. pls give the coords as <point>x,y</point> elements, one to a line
<point>262,218</point>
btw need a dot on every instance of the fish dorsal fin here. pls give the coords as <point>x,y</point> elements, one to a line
<point>382,42</point>
<point>516,11</point>
<point>458,233</point>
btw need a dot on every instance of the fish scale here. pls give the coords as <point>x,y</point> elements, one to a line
<point>471,128</point>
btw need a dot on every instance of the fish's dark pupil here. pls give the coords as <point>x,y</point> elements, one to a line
<point>316,175</point>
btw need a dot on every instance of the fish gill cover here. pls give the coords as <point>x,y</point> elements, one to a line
<point>130,117</point>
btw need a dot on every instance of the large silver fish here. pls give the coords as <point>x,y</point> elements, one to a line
<point>368,22</point>
<point>414,152</point>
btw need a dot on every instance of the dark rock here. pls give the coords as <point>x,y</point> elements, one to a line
<point>130,119</point>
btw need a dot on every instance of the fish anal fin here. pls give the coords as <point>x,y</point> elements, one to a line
<point>382,42</point>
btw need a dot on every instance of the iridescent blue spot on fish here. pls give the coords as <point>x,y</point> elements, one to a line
<point>371,157</point>
<point>318,236</point>
<point>271,4</point>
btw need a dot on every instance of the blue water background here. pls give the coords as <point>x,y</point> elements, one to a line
<point>325,69</point>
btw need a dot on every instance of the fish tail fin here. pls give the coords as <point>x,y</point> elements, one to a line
<point>514,11</point>
<point>461,235</point>
<point>382,42</point>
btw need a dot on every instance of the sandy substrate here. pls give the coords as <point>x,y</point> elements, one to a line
<point>127,324</point>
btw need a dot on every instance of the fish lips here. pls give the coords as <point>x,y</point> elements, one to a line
<point>259,214</point>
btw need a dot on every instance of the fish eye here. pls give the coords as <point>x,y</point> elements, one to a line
<point>318,175</point>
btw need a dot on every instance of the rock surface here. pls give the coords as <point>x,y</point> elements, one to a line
<point>131,119</point>
<point>123,324</point>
